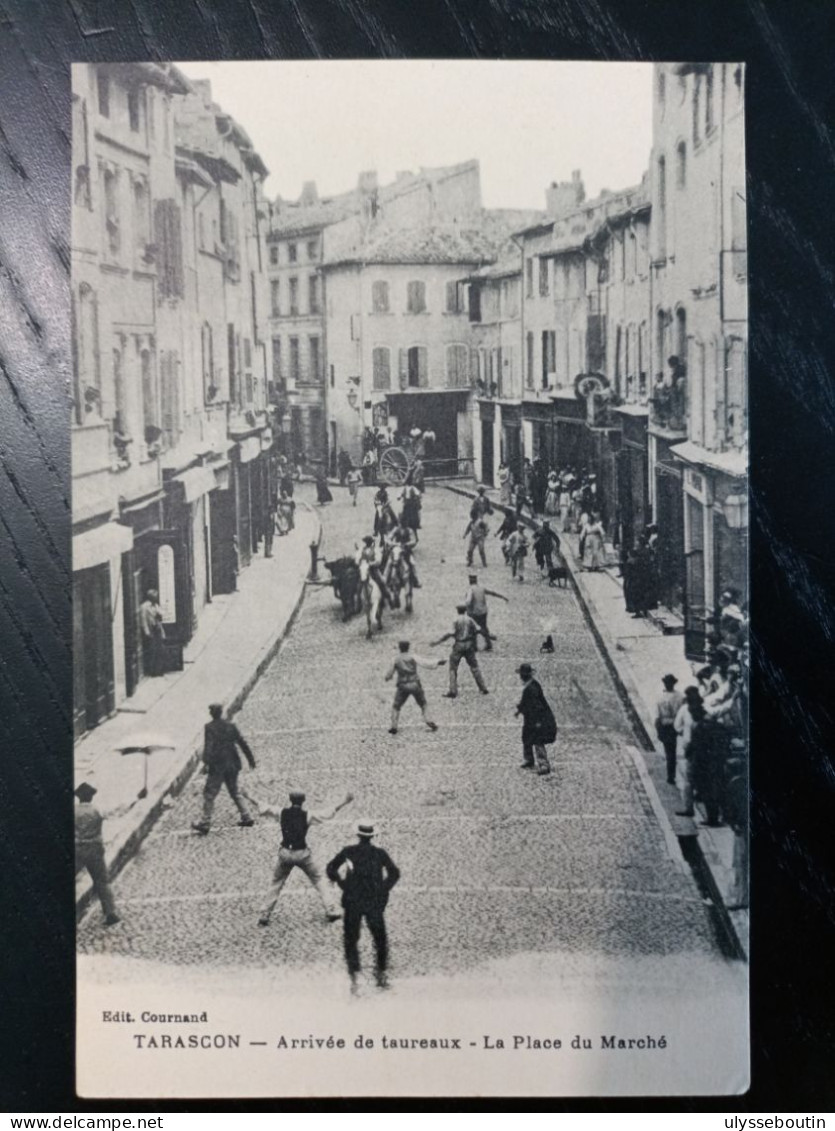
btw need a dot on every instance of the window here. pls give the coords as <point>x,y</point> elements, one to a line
<point>170,396</point>
<point>662,92</point>
<point>697,110</point>
<point>294,295</point>
<point>141,216</point>
<point>475,302</point>
<point>543,276</point>
<point>273,255</point>
<point>380,297</point>
<point>681,165</point>
<point>661,228</point>
<point>149,394</point>
<point>111,210</point>
<point>549,356</point>
<point>150,111</point>
<point>169,241</point>
<point>529,358</point>
<point>313,294</point>
<point>416,297</point>
<point>709,123</point>
<point>277,360</point>
<point>208,362</point>
<point>528,278</point>
<point>453,298</point>
<point>201,231</point>
<point>247,353</point>
<point>312,251</point>
<point>103,92</point>
<point>315,368</point>
<point>381,362</point>
<point>275,305</point>
<point>87,382</point>
<point>133,110</point>
<point>120,417</point>
<point>294,359</point>
<point>416,367</point>
<point>292,252</point>
<point>457,367</point>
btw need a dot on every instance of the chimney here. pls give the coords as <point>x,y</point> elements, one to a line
<point>368,181</point>
<point>565,196</point>
<point>309,194</point>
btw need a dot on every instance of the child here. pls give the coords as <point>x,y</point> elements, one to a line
<point>408,684</point>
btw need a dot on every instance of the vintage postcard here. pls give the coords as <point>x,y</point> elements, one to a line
<point>410,519</point>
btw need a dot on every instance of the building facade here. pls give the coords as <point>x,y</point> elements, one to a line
<point>698,426</point>
<point>152,420</point>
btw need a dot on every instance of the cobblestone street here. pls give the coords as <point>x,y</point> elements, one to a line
<point>497,863</point>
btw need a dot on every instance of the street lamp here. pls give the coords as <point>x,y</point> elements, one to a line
<point>735,509</point>
<point>353,398</point>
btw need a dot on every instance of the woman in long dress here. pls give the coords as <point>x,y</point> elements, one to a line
<point>323,494</point>
<point>505,484</point>
<point>593,544</point>
<point>552,494</point>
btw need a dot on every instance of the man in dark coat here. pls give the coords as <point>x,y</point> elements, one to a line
<point>222,765</point>
<point>366,874</point>
<point>540,726</point>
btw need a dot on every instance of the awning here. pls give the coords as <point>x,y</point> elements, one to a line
<point>734,464</point>
<point>196,481</point>
<point>95,547</point>
<point>249,449</point>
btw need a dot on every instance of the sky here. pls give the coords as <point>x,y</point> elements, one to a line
<point>527,123</point>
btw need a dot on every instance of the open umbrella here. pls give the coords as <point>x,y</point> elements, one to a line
<point>144,743</point>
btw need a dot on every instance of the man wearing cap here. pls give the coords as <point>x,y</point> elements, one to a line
<point>89,850</point>
<point>475,602</point>
<point>405,667</point>
<point>294,852</point>
<point>666,710</point>
<point>366,874</point>
<point>223,764</point>
<point>540,727</point>
<point>464,635</point>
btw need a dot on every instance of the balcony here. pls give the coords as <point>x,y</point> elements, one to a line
<point>668,407</point>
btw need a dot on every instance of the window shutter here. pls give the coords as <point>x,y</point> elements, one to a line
<point>423,368</point>
<point>404,369</point>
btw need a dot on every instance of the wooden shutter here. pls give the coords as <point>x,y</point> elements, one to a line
<point>403,371</point>
<point>423,366</point>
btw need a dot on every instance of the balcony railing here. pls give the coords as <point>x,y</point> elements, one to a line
<point>668,406</point>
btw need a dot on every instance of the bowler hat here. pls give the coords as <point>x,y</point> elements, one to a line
<point>669,681</point>
<point>296,795</point>
<point>85,791</point>
<point>524,669</point>
<point>365,828</point>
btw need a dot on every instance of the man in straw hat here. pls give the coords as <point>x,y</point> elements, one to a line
<point>89,850</point>
<point>540,727</point>
<point>366,874</point>
<point>295,853</point>
<point>666,710</point>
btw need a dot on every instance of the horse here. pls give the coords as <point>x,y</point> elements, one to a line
<point>399,576</point>
<point>372,597</point>
<point>345,576</point>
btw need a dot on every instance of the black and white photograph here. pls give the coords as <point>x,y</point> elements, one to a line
<point>379,367</point>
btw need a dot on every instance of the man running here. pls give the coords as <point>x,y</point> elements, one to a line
<point>475,603</point>
<point>408,683</point>
<point>477,530</point>
<point>464,635</point>
<point>223,764</point>
<point>294,852</point>
<point>517,551</point>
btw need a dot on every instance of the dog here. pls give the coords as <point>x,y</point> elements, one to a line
<point>558,577</point>
<point>547,644</point>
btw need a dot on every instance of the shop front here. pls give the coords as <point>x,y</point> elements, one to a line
<point>669,517</point>
<point>631,468</point>
<point>445,415</point>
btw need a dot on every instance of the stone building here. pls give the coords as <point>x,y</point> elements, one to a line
<point>698,426</point>
<point>147,441</point>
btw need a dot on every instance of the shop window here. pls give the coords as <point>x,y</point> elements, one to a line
<point>416,297</point>
<point>381,362</point>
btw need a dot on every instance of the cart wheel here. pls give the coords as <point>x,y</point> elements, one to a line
<point>394,465</point>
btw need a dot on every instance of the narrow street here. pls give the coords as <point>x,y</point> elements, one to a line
<point>498,865</point>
